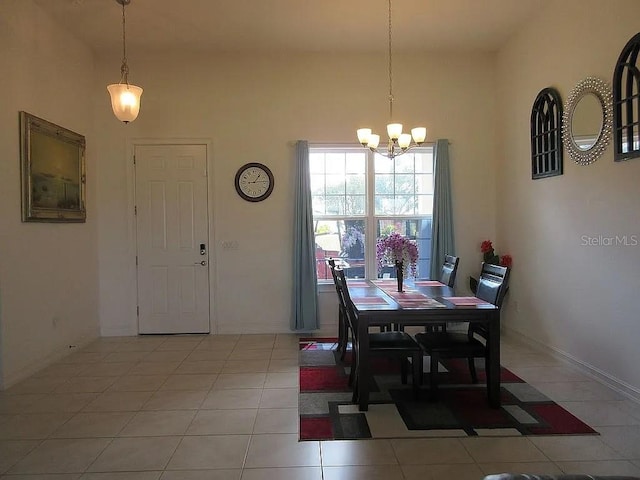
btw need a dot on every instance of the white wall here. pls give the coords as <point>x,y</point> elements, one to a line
<point>47,271</point>
<point>253,108</point>
<point>578,300</point>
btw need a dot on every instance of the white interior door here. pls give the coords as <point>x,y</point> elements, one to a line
<point>172,238</point>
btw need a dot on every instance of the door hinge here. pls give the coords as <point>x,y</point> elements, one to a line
<point>138,310</point>
<point>134,159</point>
<point>135,210</point>
<point>136,260</point>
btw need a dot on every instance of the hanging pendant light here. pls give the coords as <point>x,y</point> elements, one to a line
<point>398,142</point>
<point>125,98</point>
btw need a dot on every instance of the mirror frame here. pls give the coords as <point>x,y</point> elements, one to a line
<point>602,91</point>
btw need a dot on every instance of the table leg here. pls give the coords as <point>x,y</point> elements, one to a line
<point>493,373</point>
<point>364,364</point>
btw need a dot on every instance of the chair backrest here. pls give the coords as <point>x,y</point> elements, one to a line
<point>449,270</point>
<point>345,298</point>
<point>492,284</point>
<point>332,266</point>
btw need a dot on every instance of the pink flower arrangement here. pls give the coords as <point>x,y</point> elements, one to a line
<point>489,255</point>
<point>397,248</point>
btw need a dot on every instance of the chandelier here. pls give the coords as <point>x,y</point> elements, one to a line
<point>125,98</point>
<point>398,142</point>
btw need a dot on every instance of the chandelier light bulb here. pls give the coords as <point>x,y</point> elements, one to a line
<point>374,141</point>
<point>419,134</point>
<point>404,141</point>
<point>394,130</point>
<point>363,136</point>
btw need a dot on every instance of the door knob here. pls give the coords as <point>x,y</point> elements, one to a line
<point>203,263</point>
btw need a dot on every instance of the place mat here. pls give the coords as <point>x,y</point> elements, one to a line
<point>369,301</point>
<point>357,283</point>
<point>326,411</point>
<point>386,283</point>
<point>466,301</point>
<point>428,283</point>
<point>421,303</point>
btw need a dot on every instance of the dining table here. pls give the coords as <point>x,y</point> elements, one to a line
<point>421,303</point>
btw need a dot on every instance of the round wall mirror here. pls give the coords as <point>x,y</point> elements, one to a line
<point>587,119</point>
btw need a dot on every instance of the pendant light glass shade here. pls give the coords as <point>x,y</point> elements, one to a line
<point>125,101</point>
<point>125,98</point>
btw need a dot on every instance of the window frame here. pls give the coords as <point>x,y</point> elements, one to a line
<point>369,217</point>
<point>546,135</point>
<point>626,148</point>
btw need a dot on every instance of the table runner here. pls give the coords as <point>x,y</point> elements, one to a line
<point>409,298</point>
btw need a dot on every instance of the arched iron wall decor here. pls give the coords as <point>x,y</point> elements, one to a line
<point>546,134</point>
<point>626,102</point>
<point>590,105</point>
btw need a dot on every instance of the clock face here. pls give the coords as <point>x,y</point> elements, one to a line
<point>254,182</point>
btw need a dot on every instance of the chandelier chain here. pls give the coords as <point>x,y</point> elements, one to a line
<point>390,69</point>
<point>124,69</point>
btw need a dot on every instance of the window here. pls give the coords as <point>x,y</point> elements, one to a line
<point>359,196</point>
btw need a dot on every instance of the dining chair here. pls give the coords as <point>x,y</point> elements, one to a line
<point>343,325</point>
<point>473,343</point>
<point>394,344</point>
<point>344,330</point>
<point>449,270</point>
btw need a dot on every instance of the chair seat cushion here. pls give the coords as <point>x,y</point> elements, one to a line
<point>455,343</point>
<point>392,340</point>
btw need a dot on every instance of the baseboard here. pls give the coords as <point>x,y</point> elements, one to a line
<point>623,388</point>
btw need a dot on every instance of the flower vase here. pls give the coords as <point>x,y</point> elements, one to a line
<point>399,274</point>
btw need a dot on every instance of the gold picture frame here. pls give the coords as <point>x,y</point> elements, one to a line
<point>53,172</point>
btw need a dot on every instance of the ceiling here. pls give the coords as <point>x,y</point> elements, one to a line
<point>293,25</point>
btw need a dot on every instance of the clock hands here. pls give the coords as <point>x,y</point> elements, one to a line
<point>258,181</point>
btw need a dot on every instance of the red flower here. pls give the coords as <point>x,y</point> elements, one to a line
<point>506,261</point>
<point>486,246</point>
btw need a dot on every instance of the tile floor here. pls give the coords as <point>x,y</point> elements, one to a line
<point>225,407</point>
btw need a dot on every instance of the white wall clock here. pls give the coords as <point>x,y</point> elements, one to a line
<point>254,182</point>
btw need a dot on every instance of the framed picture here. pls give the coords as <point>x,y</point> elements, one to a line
<point>53,172</point>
